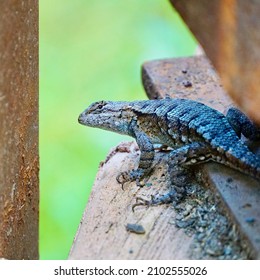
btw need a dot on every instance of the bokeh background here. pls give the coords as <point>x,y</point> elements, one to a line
<point>89,51</point>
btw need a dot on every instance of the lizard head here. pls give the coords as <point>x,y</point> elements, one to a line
<point>108,115</point>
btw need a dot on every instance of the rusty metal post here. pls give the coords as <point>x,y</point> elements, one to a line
<point>19,193</point>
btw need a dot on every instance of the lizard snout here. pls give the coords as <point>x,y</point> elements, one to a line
<point>81,118</point>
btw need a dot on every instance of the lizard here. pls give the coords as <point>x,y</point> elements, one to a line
<point>196,133</point>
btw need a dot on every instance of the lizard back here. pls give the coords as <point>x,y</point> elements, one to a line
<point>183,121</point>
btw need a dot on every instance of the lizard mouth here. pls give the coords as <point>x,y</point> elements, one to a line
<point>94,120</point>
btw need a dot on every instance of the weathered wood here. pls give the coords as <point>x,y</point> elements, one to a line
<point>170,77</point>
<point>187,77</point>
<point>229,33</point>
<point>102,233</point>
<point>19,129</point>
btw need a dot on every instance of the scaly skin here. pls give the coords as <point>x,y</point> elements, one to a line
<point>196,132</point>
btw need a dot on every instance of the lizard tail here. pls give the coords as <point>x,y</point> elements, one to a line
<point>244,160</point>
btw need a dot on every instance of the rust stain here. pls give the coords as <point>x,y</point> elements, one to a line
<point>19,163</point>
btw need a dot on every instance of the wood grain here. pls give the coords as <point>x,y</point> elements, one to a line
<point>102,233</point>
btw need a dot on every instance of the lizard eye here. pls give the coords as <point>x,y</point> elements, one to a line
<point>96,107</point>
<point>100,104</point>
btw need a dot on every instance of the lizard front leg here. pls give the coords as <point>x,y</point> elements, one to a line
<point>145,162</point>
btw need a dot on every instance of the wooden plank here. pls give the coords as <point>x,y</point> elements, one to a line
<point>102,233</point>
<point>19,194</point>
<point>192,78</point>
<point>240,193</point>
<point>228,31</point>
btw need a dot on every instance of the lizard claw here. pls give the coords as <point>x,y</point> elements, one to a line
<point>130,176</point>
<point>171,197</point>
<point>122,178</point>
<point>141,202</point>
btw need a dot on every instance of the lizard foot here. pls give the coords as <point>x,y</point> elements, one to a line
<point>172,196</point>
<point>130,176</point>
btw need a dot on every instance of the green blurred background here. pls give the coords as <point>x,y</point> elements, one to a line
<point>89,51</point>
